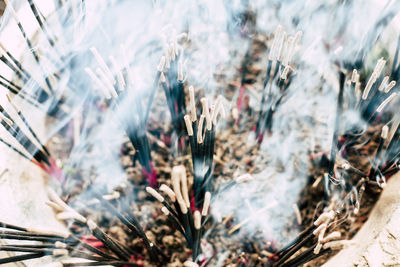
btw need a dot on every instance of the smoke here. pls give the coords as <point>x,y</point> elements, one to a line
<point>333,32</point>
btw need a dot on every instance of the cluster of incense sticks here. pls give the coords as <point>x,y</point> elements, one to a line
<point>39,97</point>
<point>172,83</point>
<point>317,235</point>
<point>202,139</point>
<point>34,53</point>
<point>56,244</point>
<point>119,254</point>
<point>9,60</point>
<point>33,148</point>
<point>43,96</point>
<point>277,79</point>
<point>113,87</point>
<point>374,96</point>
<point>189,224</point>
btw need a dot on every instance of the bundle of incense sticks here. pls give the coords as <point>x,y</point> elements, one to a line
<point>117,254</point>
<point>172,83</point>
<point>376,94</point>
<point>316,240</point>
<point>54,243</point>
<point>323,234</point>
<point>34,150</point>
<point>202,139</point>
<point>277,79</point>
<point>9,60</point>
<point>189,224</point>
<point>113,85</point>
<point>33,51</point>
<point>43,97</point>
<point>371,103</point>
<point>40,95</point>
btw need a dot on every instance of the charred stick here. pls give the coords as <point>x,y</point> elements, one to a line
<point>84,255</point>
<point>178,210</point>
<point>43,96</point>
<point>176,224</point>
<point>195,149</point>
<point>297,239</point>
<point>180,106</point>
<point>144,151</point>
<point>295,261</point>
<point>210,155</point>
<point>28,42</point>
<point>107,240</point>
<point>17,63</point>
<point>391,171</point>
<point>11,226</point>
<point>196,235</point>
<point>30,238</point>
<point>21,257</point>
<point>19,93</point>
<point>17,90</point>
<point>31,234</point>
<point>293,249</point>
<point>123,219</point>
<point>187,227</point>
<point>266,82</point>
<point>10,88</point>
<point>16,87</point>
<point>16,132</point>
<point>49,245</point>
<point>35,55</point>
<point>45,251</point>
<point>305,257</point>
<point>92,249</point>
<point>19,112</point>
<point>186,222</point>
<point>165,203</point>
<point>15,149</point>
<point>162,200</point>
<point>181,97</point>
<point>149,245</point>
<point>335,137</point>
<point>14,69</point>
<point>41,24</point>
<point>191,222</point>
